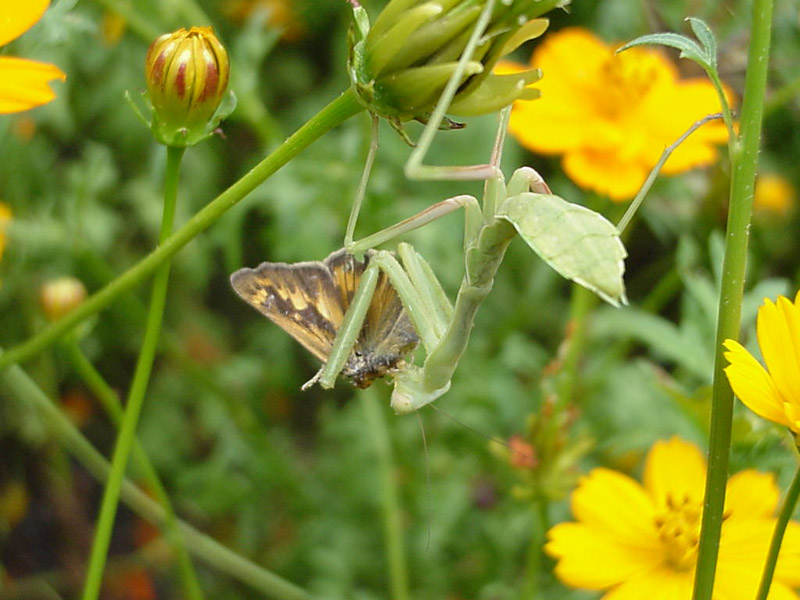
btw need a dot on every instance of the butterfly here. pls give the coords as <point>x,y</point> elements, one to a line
<point>308,300</point>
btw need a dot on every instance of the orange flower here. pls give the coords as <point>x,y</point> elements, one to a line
<point>611,116</point>
<point>23,83</point>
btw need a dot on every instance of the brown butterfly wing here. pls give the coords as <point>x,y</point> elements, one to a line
<point>387,335</point>
<point>302,298</point>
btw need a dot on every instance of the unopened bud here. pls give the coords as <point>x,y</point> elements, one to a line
<point>60,296</point>
<point>187,75</point>
<point>400,66</point>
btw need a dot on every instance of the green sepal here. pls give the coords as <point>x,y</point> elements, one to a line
<point>416,89</point>
<point>578,243</point>
<point>497,92</point>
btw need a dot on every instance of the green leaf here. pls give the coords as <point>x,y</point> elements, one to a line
<point>688,48</point>
<point>703,33</point>
<point>578,243</point>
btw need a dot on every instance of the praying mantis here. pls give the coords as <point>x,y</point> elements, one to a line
<point>577,242</point>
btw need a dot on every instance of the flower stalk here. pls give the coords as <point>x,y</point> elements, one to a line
<point>141,377</point>
<point>113,407</point>
<point>16,384</point>
<point>744,161</point>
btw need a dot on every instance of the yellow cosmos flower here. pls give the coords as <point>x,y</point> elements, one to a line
<point>611,116</point>
<point>23,83</point>
<point>5,219</point>
<point>773,194</point>
<point>774,392</point>
<point>640,541</point>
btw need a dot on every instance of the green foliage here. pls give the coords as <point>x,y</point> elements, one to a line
<point>290,480</point>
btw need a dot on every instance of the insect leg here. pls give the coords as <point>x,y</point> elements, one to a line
<point>428,287</point>
<point>362,185</point>
<point>440,209</point>
<point>350,328</point>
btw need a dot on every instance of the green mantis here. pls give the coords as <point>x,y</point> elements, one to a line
<point>578,243</point>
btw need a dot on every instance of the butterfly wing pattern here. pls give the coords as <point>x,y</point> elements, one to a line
<point>308,300</point>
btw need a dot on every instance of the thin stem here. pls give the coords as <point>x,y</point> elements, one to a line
<point>141,377</point>
<point>113,407</point>
<point>18,386</point>
<point>533,583</point>
<point>651,178</point>
<point>581,304</point>
<point>789,504</point>
<point>744,162</point>
<point>338,111</point>
<point>392,517</point>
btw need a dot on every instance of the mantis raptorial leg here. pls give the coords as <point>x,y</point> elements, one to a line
<point>576,242</point>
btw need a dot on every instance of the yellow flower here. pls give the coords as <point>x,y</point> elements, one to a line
<point>774,392</point>
<point>281,14</point>
<point>23,83</point>
<point>773,194</point>
<point>640,541</point>
<point>5,219</point>
<point>611,116</point>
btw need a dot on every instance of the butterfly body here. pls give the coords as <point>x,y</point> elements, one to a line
<point>309,300</point>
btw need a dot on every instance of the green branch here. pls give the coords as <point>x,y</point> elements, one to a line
<point>338,111</point>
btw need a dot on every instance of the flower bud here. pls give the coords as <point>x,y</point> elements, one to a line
<point>60,296</point>
<point>187,75</point>
<point>400,66</point>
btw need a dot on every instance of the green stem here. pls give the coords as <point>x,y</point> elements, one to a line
<point>141,377</point>
<point>785,515</point>
<point>392,517</point>
<point>581,305</point>
<point>113,407</point>
<point>17,385</point>
<point>744,162</point>
<point>338,111</point>
<point>533,584</point>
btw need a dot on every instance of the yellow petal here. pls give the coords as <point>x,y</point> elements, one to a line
<point>616,504</point>
<point>17,17</point>
<point>593,559</point>
<point>751,494</point>
<point>775,338</point>
<point>788,568</point>
<point>675,469</point>
<point>743,549</point>
<point>605,173</point>
<point>660,584</point>
<point>752,384</point>
<point>24,83</point>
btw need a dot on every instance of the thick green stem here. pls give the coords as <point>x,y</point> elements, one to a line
<point>789,504</point>
<point>744,162</point>
<point>338,111</point>
<point>113,407</point>
<point>16,384</point>
<point>392,517</point>
<point>141,377</point>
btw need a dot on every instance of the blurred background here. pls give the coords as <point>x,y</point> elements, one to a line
<point>291,480</point>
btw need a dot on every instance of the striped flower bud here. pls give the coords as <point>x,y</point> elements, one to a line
<point>187,75</point>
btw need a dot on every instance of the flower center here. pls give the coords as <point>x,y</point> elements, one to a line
<point>625,80</point>
<point>679,530</point>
